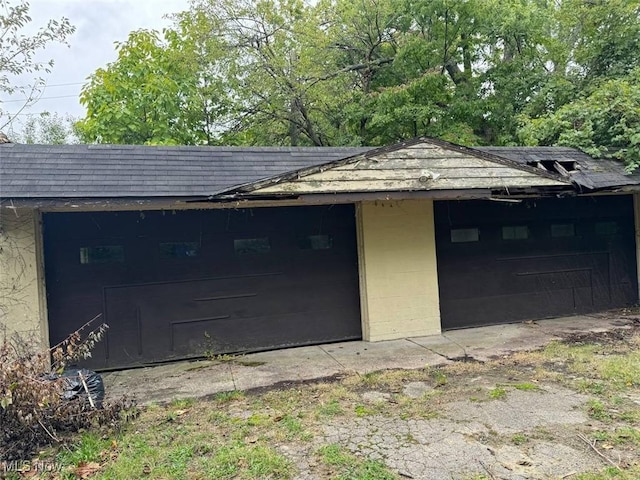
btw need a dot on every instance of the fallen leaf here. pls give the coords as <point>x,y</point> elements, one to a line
<point>85,470</point>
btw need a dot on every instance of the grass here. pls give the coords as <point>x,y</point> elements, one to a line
<point>621,436</point>
<point>87,449</point>
<point>247,436</point>
<point>526,386</point>
<point>240,461</point>
<point>342,465</point>
<point>519,439</point>
<point>597,410</point>
<point>610,473</point>
<point>605,370</point>
<point>497,393</point>
<point>330,409</point>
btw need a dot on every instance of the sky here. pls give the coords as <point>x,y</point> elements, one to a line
<point>99,23</point>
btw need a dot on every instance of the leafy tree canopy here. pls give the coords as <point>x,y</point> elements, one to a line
<point>371,72</point>
<point>47,129</point>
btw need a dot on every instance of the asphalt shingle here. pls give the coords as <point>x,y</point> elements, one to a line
<point>591,173</point>
<point>116,171</point>
<point>112,171</point>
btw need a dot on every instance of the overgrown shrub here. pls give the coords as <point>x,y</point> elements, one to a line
<point>33,411</point>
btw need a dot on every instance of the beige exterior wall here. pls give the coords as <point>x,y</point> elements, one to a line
<point>398,271</point>
<point>22,303</point>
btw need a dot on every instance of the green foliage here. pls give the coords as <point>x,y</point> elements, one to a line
<point>350,467</point>
<point>21,66</point>
<point>526,386</point>
<point>330,409</point>
<point>159,91</point>
<point>498,393</point>
<point>87,448</point>
<point>519,439</point>
<point>606,122</point>
<point>344,72</point>
<point>238,460</point>
<point>598,410</point>
<point>46,129</point>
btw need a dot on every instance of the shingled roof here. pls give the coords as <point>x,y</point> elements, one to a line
<point>113,171</point>
<point>127,171</point>
<point>585,171</point>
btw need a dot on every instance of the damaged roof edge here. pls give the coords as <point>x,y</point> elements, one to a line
<point>303,172</point>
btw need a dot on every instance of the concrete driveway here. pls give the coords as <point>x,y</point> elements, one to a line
<point>202,378</point>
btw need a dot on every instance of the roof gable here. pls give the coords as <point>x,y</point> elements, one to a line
<point>418,164</point>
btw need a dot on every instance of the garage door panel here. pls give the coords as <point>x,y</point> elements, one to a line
<point>251,279</point>
<point>488,278</point>
<point>508,308</point>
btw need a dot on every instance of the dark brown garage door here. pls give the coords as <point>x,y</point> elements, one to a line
<point>506,262</point>
<point>179,284</point>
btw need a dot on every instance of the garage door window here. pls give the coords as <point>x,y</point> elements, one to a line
<point>315,242</point>
<point>515,232</point>
<point>179,249</point>
<point>606,228</point>
<point>465,235</point>
<point>102,254</point>
<point>248,246</point>
<point>563,230</point>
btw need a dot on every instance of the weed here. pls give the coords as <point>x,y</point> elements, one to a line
<point>611,473</point>
<point>597,410</point>
<point>526,386</point>
<point>258,420</point>
<point>225,397</point>
<point>239,460</point>
<point>519,439</point>
<point>330,409</point>
<point>591,386</point>
<point>371,379</point>
<point>497,393</point>
<point>294,428</point>
<point>363,411</point>
<point>87,449</point>
<point>182,403</point>
<point>220,357</point>
<point>621,371</point>
<point>217,417</point>
<point>349,467</point>
<point>439,377</point>
<point>619,436</point>
<point>334,455</point>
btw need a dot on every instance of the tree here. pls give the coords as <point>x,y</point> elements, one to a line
<point>47,129</point>
<point>20,71</point>
<point>606,122</point>
<point>372,72</point>
<point>150,94</point>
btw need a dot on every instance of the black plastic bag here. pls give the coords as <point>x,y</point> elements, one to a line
<point>74,387</point>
